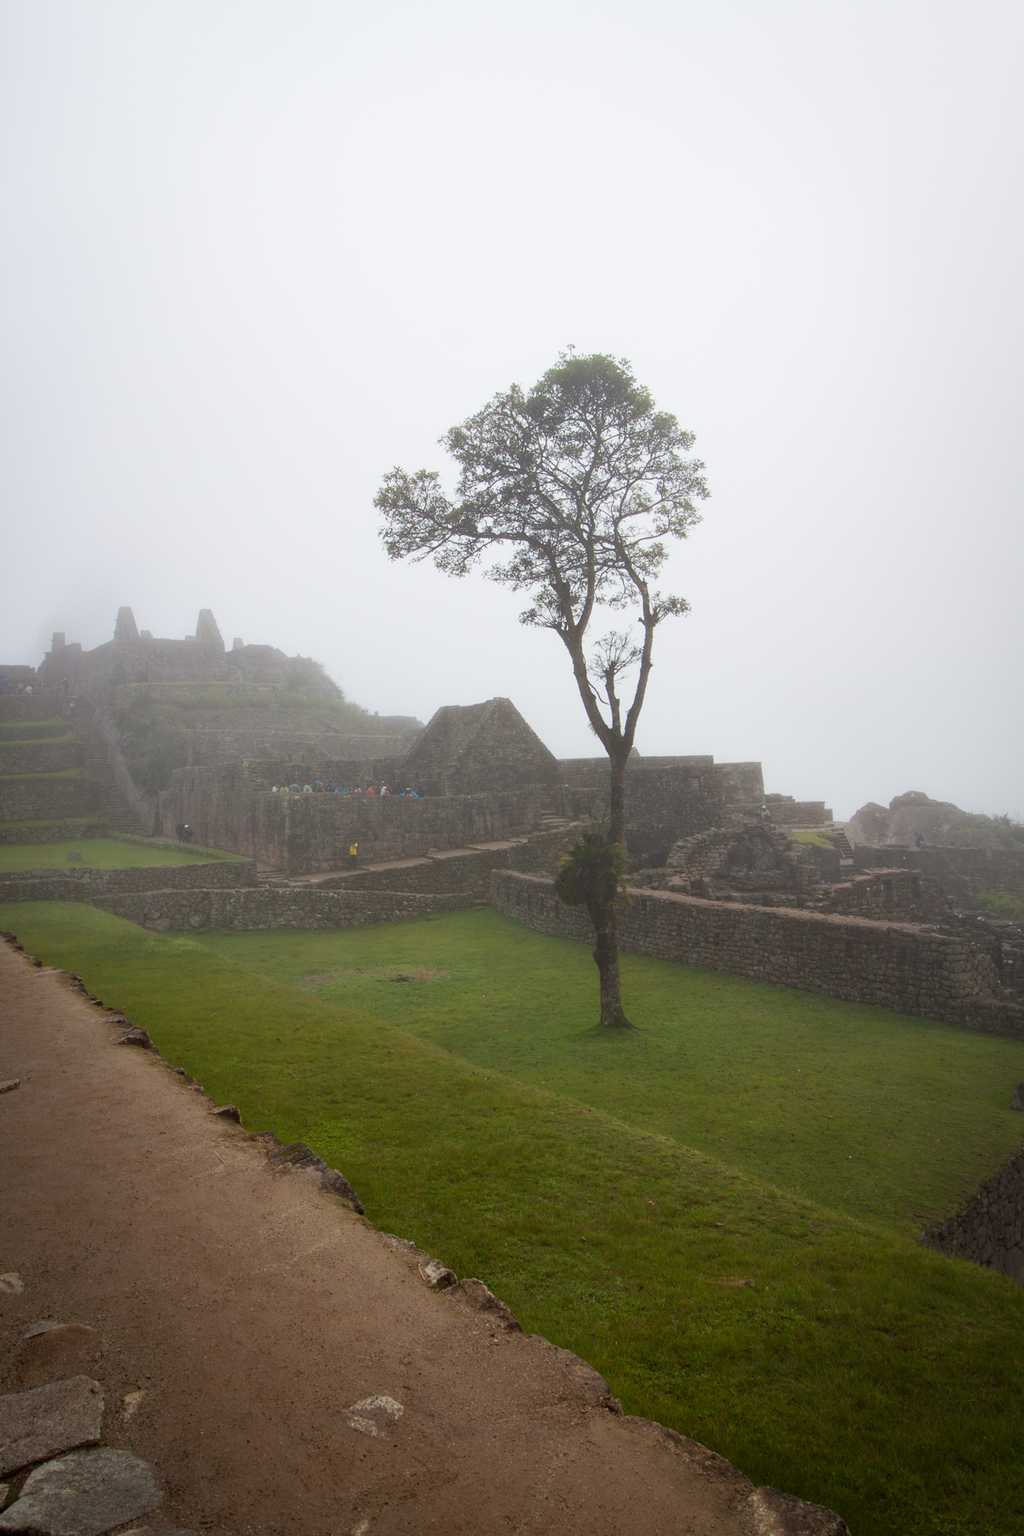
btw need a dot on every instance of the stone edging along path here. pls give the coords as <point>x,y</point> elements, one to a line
<point>281,1366</point>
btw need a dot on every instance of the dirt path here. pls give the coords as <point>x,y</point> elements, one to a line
<point>252,1310</point>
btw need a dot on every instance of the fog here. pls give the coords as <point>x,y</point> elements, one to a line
<point>256,254</point>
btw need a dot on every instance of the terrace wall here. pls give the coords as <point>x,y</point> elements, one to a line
<point>89,884</point>
<point>989,1229</point>
<point>43,755</point>
<point>894,965</point>
<point>37,798</point>
<point>303,834</point>
<point>268,907</point>
<point>53,831</point>
<point>957,869</point>
<point>466,871</point>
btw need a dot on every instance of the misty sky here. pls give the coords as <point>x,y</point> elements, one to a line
<point>254,254</point>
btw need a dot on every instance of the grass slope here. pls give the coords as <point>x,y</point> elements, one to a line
<point>101,853</point>
<point>882,1116</point>
<point>857,1369</point>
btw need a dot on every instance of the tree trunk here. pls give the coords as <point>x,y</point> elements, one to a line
<point>603,915</point>
<point>606,958</point>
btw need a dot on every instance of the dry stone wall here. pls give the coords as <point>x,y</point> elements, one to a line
<point>279,906</point>
<point>466,871</point>
<point>989,1229</point>
<point>894,965</point>
<point>37,797</point>
<point>303,834</point>
<point>47,755</point>
<point>958,870</point>
<point>89,884</point>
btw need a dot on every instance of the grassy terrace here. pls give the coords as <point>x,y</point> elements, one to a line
<point>718,1211</point>
<point>101,853</point>
<point>62,739</point>
<point>60,773</point>
<point>810,836</point>
<point>33,730</point>
<point>71,826</point>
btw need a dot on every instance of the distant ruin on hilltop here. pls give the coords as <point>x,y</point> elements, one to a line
<point>137,656</point>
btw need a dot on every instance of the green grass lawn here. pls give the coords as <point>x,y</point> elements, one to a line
<point>717,1211</point>
<point>100,853</point>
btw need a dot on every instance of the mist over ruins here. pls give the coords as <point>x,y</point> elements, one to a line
<point>512,1017</point>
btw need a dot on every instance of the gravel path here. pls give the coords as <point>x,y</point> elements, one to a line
<point>285,1369</point>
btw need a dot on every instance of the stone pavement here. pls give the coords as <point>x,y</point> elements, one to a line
<point>256,1358</point>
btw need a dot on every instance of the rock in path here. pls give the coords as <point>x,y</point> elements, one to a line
<point>437,1275</point>
<point>47,1420</point>
<point>53,1351</point>
<point>372,1416</point>
<point>10,1084</point>
<point>84,1494</point>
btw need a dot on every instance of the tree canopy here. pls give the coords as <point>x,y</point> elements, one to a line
<point>570,491</point>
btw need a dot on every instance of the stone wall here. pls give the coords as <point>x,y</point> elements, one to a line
<point>54,831</point>
<point>87,884</point>
<point>989,1229</point>
<point>894,894</point>
<point>281,751</point>
<point>44,755</point>
<point>891,964</point>
<point>787,812</point>
<point>263,772</point>
<point>264,907</point>
<point>299,834</point>
<point>666,798</point>
<point>35,797</point>
<point>466,871</point>
<point>958,870</point>
<point>38,706</point>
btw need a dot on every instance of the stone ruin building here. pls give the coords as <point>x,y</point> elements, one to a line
<point>161,733</point>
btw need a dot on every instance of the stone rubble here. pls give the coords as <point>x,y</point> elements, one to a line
<point>52,1351</point>
<point>44,1421</point>
<point>84,1494</point>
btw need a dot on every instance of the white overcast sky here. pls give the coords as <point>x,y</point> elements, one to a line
<point>254,254</point>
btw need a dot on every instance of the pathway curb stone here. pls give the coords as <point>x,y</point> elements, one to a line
<point>84,1494</point>
<point>45,1421</point>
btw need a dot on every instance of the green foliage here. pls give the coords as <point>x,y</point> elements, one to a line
<point>590,874</point>
<point>572,486</point>
<point>719,1211</point>
<point>1003,904</point>
<point>810,838</point>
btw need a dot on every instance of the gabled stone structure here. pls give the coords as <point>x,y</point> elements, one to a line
<point>470,749</point>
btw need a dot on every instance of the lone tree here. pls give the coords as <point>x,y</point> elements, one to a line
<point>571,490</point>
